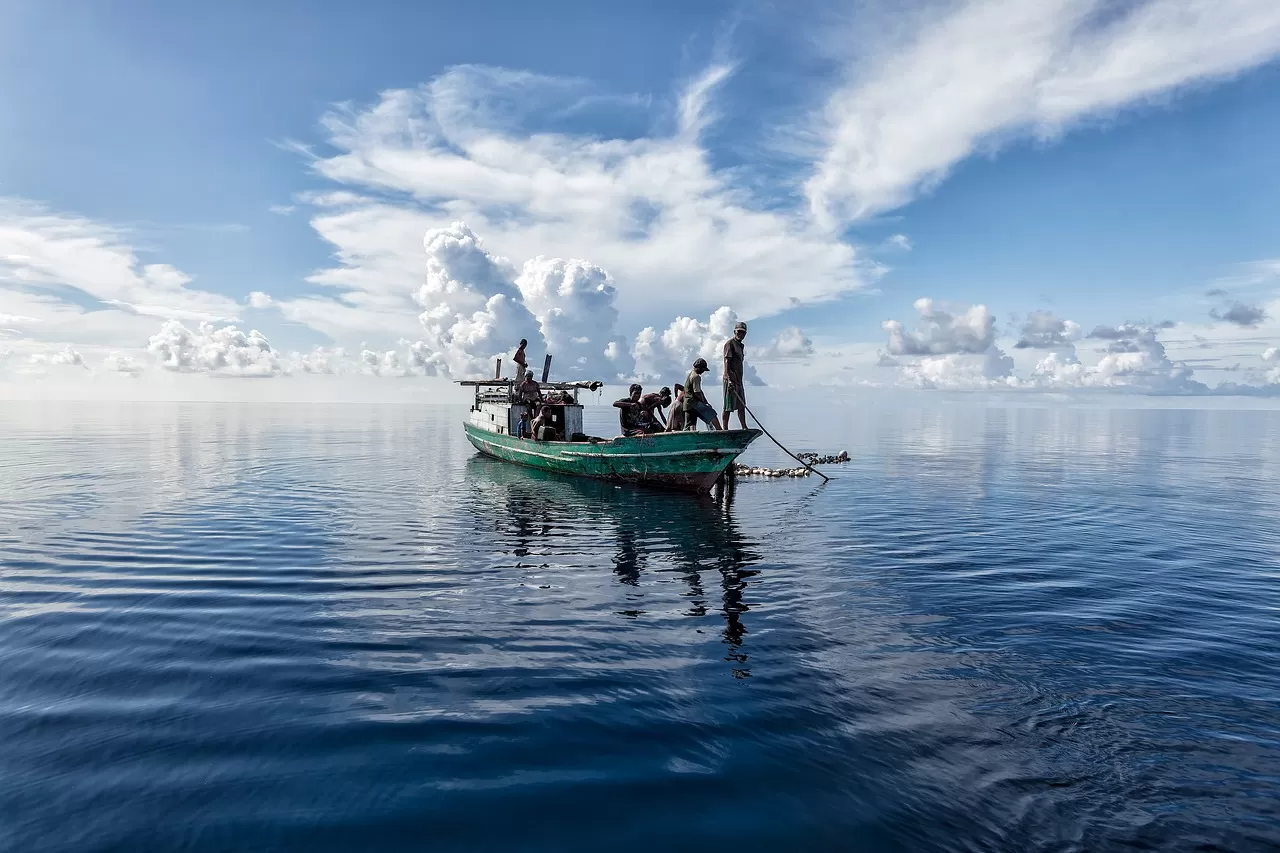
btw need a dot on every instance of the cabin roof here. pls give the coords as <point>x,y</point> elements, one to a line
<point>554,386</point>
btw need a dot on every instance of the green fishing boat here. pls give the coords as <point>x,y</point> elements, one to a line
<point>689,461</point>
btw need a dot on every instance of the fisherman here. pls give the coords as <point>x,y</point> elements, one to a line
<point>529,392</point>
<point>651,406</point>
<point>696,406</point>
<point>629,411</point>
<point>524,429</point>
<point>676,423</point>
<point>543,428</point>
<point>522,365</point>
<point>735,392</point>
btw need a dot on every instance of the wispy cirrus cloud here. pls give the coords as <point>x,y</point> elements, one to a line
<point>484,146</point>
<point>954,78</point>
<point>68,278</point>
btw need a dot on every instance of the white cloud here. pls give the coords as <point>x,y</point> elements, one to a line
<point>971,329</point>
<point>790,343</point>
<point>117,363</point>
<point>223,351</point>
<point>660,355</point>
<point>472,312</point>
<point>938,86</point>
<point>958,351</point>
<point>55,264</point>
<point>573,302</point>
<point>260,300</point>
<point>329,361</point>
<point>1271,355</point>
<point>898,242</point>
<point>1042,330</point>
<point>66,357</point>
<point>962,370</point>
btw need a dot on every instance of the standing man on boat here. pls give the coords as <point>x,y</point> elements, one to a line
<point>676,423</point>
<point>735,392</point>
<point>522,366</point>
<point>696,406</point>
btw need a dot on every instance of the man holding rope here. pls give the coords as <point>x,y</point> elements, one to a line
<point>735,391</point>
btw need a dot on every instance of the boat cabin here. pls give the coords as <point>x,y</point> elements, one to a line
<point>494,409</point>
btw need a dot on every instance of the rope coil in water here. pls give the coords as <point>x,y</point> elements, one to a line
<point>809,458</point>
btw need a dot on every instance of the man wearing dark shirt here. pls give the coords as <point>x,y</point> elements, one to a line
<point>629,412</point>
<point>735,393</point>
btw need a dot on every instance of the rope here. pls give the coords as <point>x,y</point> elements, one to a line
<point>743,403</point>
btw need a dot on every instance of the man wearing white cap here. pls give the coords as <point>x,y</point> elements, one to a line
<point>735,392</point>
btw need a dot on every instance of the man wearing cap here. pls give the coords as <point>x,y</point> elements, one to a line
<point>696,406</point>
<point>735,392</point>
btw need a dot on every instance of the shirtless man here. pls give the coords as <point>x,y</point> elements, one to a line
<point>529,392</point>
<point>651,406</point>
<point>522,366</point>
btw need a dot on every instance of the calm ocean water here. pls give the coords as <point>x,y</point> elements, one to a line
<point>321,629</point>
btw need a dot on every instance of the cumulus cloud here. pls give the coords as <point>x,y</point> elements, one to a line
<point>932,89</point>
<point>940,332</point>
<point>573,302</point>
<point>950,348</point>
<point>1240,314</point>
<point>671,352</point>
<point>1042,330</point>
<point>962,370</point>
<point>117,363</point>
<point>260,300</point>
<point>221,351</point>
<point>956,350</point>
<point>66,357</point>
<point>472,312</point>
<point>790,343</point>
<point>328,361</point>
<point>1271,356</point>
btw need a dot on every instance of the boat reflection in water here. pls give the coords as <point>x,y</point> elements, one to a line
<point>638,531</point>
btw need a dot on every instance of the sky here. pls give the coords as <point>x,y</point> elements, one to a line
<point>246,199</point>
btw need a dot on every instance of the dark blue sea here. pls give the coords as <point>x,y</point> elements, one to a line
<point>311,628</point>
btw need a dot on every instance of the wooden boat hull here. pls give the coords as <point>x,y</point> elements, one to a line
<point>688,461</point>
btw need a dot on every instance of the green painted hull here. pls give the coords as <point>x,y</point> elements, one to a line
<point>690,461</point>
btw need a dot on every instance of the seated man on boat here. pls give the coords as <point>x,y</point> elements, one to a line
<point>651,406</point>
<point>640,413</point>
<point>528,392</point>
<point>696,406</point>
<point>629,412</point>
<point>543,428</point>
